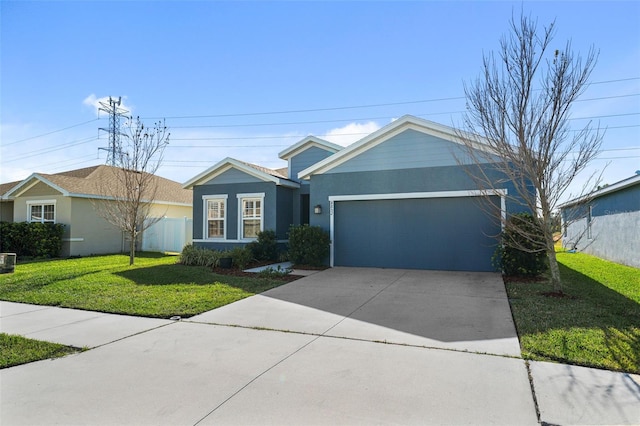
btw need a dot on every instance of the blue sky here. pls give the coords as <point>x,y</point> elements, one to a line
<point>227,75</point>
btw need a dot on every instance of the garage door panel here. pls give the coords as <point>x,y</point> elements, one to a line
<point>433,233</point>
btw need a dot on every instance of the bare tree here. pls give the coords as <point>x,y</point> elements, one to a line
<point>521,105</point>
<point>129,188</point>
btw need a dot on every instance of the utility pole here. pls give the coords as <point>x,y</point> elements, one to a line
<point>115,112</point>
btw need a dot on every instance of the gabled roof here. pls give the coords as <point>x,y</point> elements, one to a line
<point>5,187</point>
<point>262,173</point>
<point>84,183</point>
<point>392,129</point>
<point>624,183</point>
<point>306,143</point>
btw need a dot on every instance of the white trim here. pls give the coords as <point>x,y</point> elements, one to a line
<point>256,196</point>
<point>306,143</point>
<point>205,216</point>
<point>410,195</point>
<point>42,203</point>
<point>74,240</point>
<point>502,193</point>
<point>387,132</point>
<point>30,182</point>
<point>229,163</point>
<point>633,180</point>
<point>201,240</point>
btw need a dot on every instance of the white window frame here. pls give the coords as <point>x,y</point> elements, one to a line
<point>42,203</point>
<point>205,210</point>
<point>259,196</point>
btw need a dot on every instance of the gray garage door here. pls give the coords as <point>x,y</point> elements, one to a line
<point>453,234</point>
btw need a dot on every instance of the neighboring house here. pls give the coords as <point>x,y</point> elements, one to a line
<point>395,199</point>
<point>72,197</point>
<point>606,223</point>
<point>6,205</point>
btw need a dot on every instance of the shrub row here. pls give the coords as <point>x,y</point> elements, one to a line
<point>308,245</point>
<point>34,240</point>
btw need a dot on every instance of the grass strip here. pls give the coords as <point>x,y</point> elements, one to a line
<point>16,350</point>
<point>154,287</point>
<point>597,324</point>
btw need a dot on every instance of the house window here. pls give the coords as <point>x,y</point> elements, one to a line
<point>251,215</point>
<point>42,211</point>
<point>215,216</point>
<point>589,220</point>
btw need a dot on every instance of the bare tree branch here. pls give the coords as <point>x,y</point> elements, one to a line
<point>521,104</point>
<point>129,190</point>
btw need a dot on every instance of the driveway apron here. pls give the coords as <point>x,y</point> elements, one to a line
<point>344,346</point>
<point>450,310</point>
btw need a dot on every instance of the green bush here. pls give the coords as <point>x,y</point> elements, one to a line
<point>35,239</point>
<point>308,245</point>
<point>197,256</point>
<point>241,256</point>
<point>266,246</point>
<point>511,258</point>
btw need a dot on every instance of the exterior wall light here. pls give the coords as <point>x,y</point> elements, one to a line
<point>317,209</point>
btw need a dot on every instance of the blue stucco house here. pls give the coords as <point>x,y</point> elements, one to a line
<point>397,198</point>
<point>606,223</point>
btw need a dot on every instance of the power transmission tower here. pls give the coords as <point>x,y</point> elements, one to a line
<point>115,112</point>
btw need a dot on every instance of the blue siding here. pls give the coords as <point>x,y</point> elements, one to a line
<point>452,234</point>
<point>408,150</point>
<point>625,200</point>
<point>432,179</point>
<point>306,158</point>
<point>233,175</point>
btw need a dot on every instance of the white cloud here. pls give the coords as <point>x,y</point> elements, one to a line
<point>93,102</point>
<point>350,133</point>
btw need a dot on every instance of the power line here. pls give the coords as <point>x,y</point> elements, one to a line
<point>46,151</point>
<point>323,109</point>
<point>51,132</point>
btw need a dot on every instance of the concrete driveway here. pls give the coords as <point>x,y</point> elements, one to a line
<point>344,346</point>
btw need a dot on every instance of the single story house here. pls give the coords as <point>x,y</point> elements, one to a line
<point>397,198</point>
<point>72,197</point>
<point>606,223</point>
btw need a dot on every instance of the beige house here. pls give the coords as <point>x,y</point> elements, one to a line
<point>73,199</point>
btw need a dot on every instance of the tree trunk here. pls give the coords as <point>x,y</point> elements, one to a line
<point>132,249</point>
<point>556,281</point>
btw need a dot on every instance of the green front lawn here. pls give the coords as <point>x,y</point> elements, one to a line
<point>16,350</point>
<point>154,287</point>
<point>597,325</point>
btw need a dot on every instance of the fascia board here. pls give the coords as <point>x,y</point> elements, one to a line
<point>307,143</point>
<point>387,132</point>
<point>634,180</point>
<point>204,175</point>
<point>229,163</point>
<point>30,182</point>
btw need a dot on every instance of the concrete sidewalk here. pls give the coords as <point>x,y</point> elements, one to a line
<point>71,326</point>
<point>309,352</point>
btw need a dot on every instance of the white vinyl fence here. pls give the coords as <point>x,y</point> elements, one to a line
<point>168,235</point>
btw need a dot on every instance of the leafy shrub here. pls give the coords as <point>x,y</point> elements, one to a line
<point>519,255</point>
<point>308,245</point>
<point>265,247</point>
<point>197,256</point>
<point>241,256</point>
<point>35,239</point>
